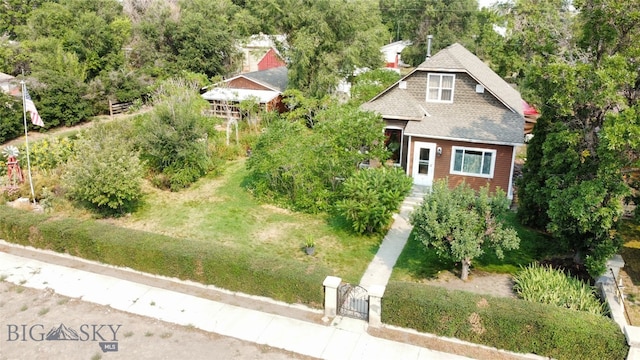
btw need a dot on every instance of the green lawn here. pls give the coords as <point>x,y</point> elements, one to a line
<point>219,210</point>
<point>417,263</point>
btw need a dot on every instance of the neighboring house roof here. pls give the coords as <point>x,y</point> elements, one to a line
<point>9,84</point>
<point>270,60</point>
<point>263,41</point>
<point>274,78</point>
<point>227,94</point>
<point>256,47</point>
<point>6,77</point>
<point>499,121</point>
<point>391,50</point>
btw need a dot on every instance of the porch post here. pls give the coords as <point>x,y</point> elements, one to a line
<point>330,284</point>
<point>409,154</point>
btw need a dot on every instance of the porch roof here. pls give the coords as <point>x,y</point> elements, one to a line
<point>496,125</point>
<point>238,95</point>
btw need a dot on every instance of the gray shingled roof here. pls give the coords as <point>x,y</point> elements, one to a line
<point>275,78</point>
<point>396,105</point>
<point>467,122</point>
<point>499,122</point>
<point>457,58</point>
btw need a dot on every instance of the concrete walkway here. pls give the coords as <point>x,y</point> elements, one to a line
<point>379,270</point>
<point>344,339</point>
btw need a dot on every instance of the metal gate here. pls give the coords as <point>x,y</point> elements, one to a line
<point>353,301</point>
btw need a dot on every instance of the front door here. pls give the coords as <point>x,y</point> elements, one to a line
<point>423,160</point>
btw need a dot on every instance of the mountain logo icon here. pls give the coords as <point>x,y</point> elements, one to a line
<point>62,333</point>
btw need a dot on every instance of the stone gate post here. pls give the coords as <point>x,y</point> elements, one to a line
<point>375,305</point>
<point>331,284</point>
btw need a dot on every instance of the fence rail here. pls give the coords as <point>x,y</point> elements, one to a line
<point>620,295</point>
<point>119,108</point>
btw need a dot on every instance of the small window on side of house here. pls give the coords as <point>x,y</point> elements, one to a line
<point>473,161</point>
<point>440,87</point>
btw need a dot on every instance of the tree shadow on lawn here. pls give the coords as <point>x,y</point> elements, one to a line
<point>420,263</point>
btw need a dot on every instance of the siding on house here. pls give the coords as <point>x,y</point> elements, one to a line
<point>442,166</point>
<point>270,60</point>
<point>464,91</point>
<point>244,83</point>
<point>485,112</point>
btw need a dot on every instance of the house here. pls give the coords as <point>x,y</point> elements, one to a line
<point>531,116</point>
<point>453,117</point>
<point>265,87</point>
<point>9,84</point>
<point>391,53</point>
<point>260,53</point>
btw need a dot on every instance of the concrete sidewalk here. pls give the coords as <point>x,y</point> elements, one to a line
<point>344,339</point>
<point>379,270</point>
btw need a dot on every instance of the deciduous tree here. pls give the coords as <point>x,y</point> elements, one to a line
<point>10,118</point>
<point>105,172</point>
<point>370,83</point>
<point>461,225</point>
<point>573,183</point>
<point>447,21</point>
<point>327,40</point>
<point>341,139</point>
<point>173,140</point>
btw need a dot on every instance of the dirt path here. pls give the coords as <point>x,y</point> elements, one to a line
<point>37,135</point>
<point>500,285</point>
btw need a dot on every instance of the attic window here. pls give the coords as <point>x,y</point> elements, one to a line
<point>402,85</point>
<point>479,89</point>
<point>440,87</point>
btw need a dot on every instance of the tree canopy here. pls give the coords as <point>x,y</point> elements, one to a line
<point>577,172</point>
<point>461,225</point>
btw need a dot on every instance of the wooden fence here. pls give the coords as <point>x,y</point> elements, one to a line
<point>119,108</point>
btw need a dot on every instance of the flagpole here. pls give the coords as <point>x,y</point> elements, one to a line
<point>26,139</point>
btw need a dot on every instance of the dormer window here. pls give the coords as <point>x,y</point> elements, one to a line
<point>440,87</point>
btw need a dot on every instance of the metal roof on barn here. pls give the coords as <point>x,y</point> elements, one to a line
<point>274,78</point>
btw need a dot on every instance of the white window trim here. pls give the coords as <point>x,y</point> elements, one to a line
<point>483,150</point>
<point>453,87</point>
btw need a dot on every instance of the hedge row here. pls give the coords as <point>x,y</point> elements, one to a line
<point>232,269</point>
<point>504,323</point>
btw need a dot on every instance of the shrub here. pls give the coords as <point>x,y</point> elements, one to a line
<point>504,323</point>
<point>11,125</point>
<point>48,153</point>
<point>302,168</point>
<point>371,196</point>
<point>173,138</point>
<point>225,267</point>
<point>105,173</point>
<point>546,285</point>
<point>43,180</point>
<point>284,171</point>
